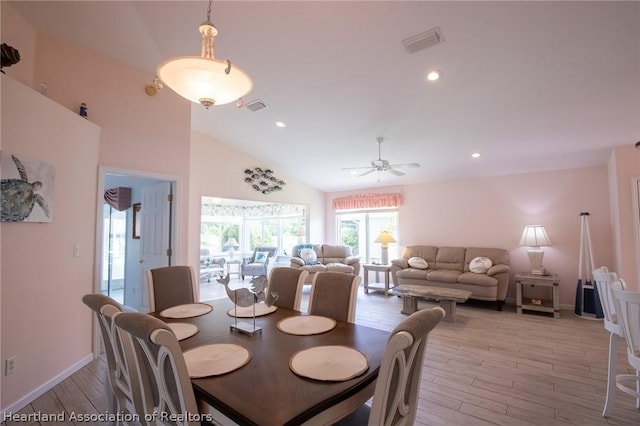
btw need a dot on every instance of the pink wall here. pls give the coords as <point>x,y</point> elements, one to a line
<point>492,212</point>
<point>19,34</point>
<point>44,323</point>
<point>217,170</point>
<point>139,133</point>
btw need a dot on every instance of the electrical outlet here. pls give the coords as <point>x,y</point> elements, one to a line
<point>10,365</point>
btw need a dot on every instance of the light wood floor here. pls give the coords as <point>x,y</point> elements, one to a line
<point>487,368</point>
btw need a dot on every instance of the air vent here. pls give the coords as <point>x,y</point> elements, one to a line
<point>423,40</point>
<point>256,105</point>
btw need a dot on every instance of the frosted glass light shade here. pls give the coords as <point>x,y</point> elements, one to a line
<point>204,80</point>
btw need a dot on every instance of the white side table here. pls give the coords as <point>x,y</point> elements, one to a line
<point>237,263</point>
<point>543,305</point>
<point>386,269</point>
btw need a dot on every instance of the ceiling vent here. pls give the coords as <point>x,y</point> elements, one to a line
<point>423,40</point>
<point>256,105</point>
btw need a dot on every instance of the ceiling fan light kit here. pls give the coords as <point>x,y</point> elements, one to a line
<point>381,165</point>
<point>204,79</point>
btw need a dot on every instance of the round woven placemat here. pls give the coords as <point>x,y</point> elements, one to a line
<point>306,325</point>
<point>215,359</point>
<point>187,311</point>
<point>247,311</point>
<point>183,330</point>
<point>329,363</point>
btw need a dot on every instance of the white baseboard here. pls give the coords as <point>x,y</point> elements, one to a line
<point>45,387</point>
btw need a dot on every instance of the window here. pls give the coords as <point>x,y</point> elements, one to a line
<point>252,224</point>
<point>359,229</point>
<point>216,232</point>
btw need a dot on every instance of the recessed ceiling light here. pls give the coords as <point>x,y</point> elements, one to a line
<point>434,75</point>
<point>280,124</point>
<point>476,155</point>
<point>353,172</point>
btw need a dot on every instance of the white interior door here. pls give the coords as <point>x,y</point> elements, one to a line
<point>155,233</point>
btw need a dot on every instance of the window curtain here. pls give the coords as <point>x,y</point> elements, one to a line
<point>268,210</point>
<point>367,201</point>
<point>118,198</point>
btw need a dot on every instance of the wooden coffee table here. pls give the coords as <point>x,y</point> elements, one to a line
<point>447,297</point>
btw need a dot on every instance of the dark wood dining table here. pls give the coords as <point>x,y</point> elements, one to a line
<point>265,391</point>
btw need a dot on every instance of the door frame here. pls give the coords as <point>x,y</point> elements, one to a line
<point>176,219</point>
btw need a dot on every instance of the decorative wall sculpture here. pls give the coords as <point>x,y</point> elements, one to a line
<point>27,190</point>
<point>263,180</point>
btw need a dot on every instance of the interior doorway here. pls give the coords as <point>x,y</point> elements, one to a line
<point>121,258</point>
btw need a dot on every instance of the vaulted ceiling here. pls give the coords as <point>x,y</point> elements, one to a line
<point>531,86</point>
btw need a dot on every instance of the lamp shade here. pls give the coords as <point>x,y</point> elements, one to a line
<point>200,79</point>
<point>231,242</point>
<point>535,236</point>
<point>385,237</point>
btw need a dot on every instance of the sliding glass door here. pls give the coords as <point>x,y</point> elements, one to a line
<point>114,244</point>
<point>359,229</point>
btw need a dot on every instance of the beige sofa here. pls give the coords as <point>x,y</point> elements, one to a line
<point>329,258</point>
<point>449,267</point>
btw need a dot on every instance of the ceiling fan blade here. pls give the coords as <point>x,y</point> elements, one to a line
<point>355,168</point>
<point>381,165</point>
<point>405,165</point>
<point>395,172</point>
<point>367,172</point>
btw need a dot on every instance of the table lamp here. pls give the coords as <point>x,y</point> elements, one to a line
<point>302,233</point>
<point>385,238</point>
<point>231,245</point>
<point>535,237</point>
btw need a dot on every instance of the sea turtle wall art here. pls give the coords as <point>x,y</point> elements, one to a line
<point>27,190</point>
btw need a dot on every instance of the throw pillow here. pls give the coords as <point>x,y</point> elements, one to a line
<point>418,263</point>
<point>261,256</point>
<point>480,265</point>
<point>309,256</point>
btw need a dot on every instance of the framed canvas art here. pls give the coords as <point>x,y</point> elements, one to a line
<point>27,189</point>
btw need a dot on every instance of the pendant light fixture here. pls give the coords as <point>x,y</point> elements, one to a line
<point>204,79</point>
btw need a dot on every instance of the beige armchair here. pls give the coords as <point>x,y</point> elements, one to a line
<point>324,258</point>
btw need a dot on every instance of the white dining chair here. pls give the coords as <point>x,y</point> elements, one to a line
<point>628,310</point>
<point>123,390</point>
<point>171,286</point>
<point>334,295</point>
<point>604,279</point>
<point>395,398</point>
<point>161,369</point>
<point>287,283</point>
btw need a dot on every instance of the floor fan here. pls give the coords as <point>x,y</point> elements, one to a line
<point>587,299</point>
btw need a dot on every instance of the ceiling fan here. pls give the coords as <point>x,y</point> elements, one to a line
<point>381,165</point>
